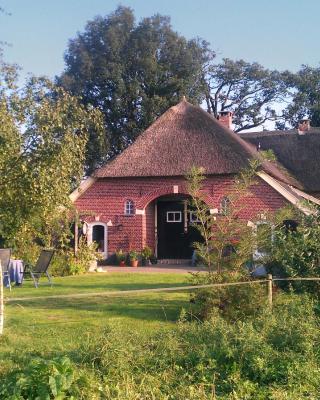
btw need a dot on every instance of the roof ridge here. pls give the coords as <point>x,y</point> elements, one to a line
<point>183,135</point>
<point>298,154</point>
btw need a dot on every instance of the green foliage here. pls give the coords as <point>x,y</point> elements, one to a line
<point>121,255</point>
<point>228,242</point>
<point>42,379</point>
<point>43,135</point>
<point>132,73</point>
<point>231,302</point>
<point>65,262</point>
<point>133,255</point>
<point>146,253</point>
<point>228,247</point>
<point>60,264</point>
<point>305,96</point>
<point>296,253</point>
<point>37,234</point>
<point>268,155</point>
<point>86,254</point>
<point>249,90</point>
<point>269,357</point>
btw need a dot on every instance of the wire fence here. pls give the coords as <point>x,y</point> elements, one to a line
<point>124,293</point>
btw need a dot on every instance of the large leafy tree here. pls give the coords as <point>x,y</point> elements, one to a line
<point>249,90</point>
<point>43,134</point>
<point>132,73</point>
<point>305,96</point>
<point>296,252</point>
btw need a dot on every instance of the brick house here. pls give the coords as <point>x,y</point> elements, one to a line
<point>140,197</point>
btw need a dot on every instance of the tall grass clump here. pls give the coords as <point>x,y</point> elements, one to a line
<point>273,356</point>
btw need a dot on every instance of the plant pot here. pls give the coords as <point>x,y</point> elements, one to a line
<point>122,263</point>
<point>146,262</point>
<point>134,263</point>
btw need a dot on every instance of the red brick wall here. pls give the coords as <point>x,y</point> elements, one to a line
<point>104,201</point>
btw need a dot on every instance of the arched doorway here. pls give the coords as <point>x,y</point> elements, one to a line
<point>97,233</point>
<point>175,233</point>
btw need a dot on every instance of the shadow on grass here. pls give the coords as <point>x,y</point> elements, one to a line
<point>151,308</point>
<point>121,286</point>
<point>29,290</point>
<point>49,328</point>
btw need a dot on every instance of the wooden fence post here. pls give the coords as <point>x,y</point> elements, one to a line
<point>270,290</point>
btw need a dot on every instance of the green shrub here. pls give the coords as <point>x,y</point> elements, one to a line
<point>232,302</point>
<point>274,356</point>
<point>269,357</point>
<point>60,264</point>
<point>133,255</point>
<point>296,253</point>
<point>66,263</point>
<point>53,379</point>
<point>121,255</point>
<point>146,253</point>
<point>57,379</point>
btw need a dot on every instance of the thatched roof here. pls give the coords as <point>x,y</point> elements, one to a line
<point>184,136</point>
<point>297,197</point>
<point>299,154</point>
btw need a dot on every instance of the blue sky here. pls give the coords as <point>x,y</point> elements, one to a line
<point>281,34</point>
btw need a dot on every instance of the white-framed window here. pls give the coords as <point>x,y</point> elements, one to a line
<point>225,206</point>
<point>174,216</point>
<point>129,207</point>
<point>97,232</point>
<point>193,218</point>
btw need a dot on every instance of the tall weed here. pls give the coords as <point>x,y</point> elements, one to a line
<point>271,356</point>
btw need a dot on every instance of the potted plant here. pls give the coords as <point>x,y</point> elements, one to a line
<point>121,257</point>
<point>133,255</point>
<point>146,254</point>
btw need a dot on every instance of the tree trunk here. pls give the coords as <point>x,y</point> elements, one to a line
<point>76,238</point>
<point>1,301</point>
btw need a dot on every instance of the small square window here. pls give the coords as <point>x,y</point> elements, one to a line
<point>174,216</point>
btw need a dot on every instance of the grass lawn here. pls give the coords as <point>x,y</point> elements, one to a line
<point>57,326</point>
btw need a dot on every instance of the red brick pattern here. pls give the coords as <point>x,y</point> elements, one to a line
<point>104,201</point>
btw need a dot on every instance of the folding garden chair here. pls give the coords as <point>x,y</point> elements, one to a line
<point>40,268</point>
<point>5,255</point>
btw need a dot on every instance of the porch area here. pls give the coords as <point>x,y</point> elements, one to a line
<point>158,268</point>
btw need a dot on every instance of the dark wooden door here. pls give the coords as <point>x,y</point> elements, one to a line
<point>171,236</point>
<point>175,235</point>
<point>98,237</point>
